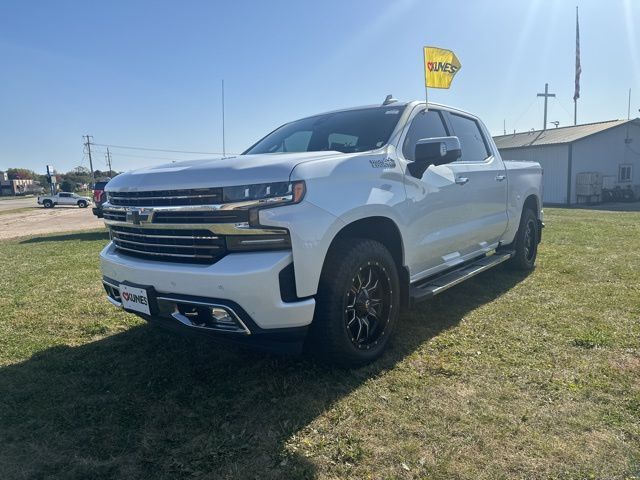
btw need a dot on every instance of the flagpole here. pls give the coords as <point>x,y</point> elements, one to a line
<point>576,94</point>
<point>426,89</point>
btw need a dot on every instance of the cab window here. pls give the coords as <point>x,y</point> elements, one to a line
<point>423,125</point>
<point>473,143</point>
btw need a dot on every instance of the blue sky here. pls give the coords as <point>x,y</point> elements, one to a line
<point>148,73</point>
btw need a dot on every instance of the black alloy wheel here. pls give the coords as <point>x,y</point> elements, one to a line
<point>525,245</point>
<point>368,305</point>
<point>357,303</point>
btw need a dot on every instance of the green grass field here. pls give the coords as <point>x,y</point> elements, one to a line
<point>506,376</point>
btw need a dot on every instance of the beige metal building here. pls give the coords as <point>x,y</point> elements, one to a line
<point>608,150</point>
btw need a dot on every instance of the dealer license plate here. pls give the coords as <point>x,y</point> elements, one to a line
<point>134,298</point>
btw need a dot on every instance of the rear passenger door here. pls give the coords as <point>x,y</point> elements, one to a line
<point>485,191</point>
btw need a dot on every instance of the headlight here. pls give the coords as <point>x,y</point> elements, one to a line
<point>264,195</point>
<point>277,192</point>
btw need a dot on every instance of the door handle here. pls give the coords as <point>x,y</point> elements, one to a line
<point>461,180</point>
<point>500,178</point>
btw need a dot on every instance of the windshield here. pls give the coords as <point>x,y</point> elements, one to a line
<point>347,131</point>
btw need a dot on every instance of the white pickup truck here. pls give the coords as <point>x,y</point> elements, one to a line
<point>322,231</point>
<point>64,198</point>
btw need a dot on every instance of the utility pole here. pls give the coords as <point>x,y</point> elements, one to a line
<point>87,144</point>
<point>224,149</point>
<point>546,96</point>
<point>629,107</point>
<point>504,126</point>
<point>108,157</point>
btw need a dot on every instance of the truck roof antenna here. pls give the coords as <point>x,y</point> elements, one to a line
<point>389,100</point>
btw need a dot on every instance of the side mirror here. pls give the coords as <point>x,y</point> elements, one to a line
<point>434,151</point>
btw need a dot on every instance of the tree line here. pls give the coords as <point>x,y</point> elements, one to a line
<point>74,180</point>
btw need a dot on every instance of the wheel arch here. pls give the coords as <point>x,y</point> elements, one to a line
<point>384,230</point>
<point>532,202</point>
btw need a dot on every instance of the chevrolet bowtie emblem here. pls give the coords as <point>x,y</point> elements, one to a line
<point>137,216</point>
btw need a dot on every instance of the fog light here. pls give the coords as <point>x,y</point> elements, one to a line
<point>222,317</point>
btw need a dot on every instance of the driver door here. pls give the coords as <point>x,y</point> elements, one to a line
<point>65,199</point>
<point>438,210</point>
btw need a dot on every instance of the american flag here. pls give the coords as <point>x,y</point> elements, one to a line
<point>576,94</point>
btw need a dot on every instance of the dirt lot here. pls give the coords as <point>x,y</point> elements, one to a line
<point>36,220</point>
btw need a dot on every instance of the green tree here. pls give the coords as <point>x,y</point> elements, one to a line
<point>21,174</point>
<point>67,185</point>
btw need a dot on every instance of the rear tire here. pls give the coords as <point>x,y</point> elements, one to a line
<point>525,244</point>
<point>357,304</point>
<point>47,204</point>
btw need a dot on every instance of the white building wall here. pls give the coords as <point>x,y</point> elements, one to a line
<point>604,152</point>
<point>555,164</point>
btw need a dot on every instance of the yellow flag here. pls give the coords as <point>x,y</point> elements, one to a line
<point>440,66</point>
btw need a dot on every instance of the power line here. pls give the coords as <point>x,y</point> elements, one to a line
<point>515,124</point>
<point>562,106</point>
<point>128,147</point>
<point>151,157</point>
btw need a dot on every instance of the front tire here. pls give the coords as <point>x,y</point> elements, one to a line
<point>82,204</point>
<point>525,244</point>
<point>357,304</point>
<point>47,204</point>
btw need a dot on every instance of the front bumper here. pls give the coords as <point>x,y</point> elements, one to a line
<point>247,283</point>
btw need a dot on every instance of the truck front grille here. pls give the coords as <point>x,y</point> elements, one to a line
<point>166,198</point>
<point>192,246</point>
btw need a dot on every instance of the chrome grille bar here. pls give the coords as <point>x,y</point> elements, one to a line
<point>156,254</point>
<point>158,198</point>
<point>161,245</point>
<point>188,237</point>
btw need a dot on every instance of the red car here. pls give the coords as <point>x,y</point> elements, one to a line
<point>99,197</point>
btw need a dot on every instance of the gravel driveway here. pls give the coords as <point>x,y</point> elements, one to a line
<point>39,220</point>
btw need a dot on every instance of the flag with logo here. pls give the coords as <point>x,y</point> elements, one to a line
<point>440,66</point>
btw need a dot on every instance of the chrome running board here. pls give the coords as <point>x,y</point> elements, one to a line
<point>430,287</point>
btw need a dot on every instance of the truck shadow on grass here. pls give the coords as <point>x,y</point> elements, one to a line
<point>148,404</point>
<point>89,236</point>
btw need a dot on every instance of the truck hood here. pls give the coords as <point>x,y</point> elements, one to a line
<point>216,172</point>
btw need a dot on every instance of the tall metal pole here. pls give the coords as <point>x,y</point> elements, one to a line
<point>426,89</point>
<point>108,155</point>
<point>224,148</point>
<point>575,111</point>
<point>629,107</point>
<point>546,96</point>
<point>88,145</point>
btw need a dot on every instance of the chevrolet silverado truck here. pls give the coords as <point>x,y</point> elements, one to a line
<point>64,198</point>
<point>317,235</point>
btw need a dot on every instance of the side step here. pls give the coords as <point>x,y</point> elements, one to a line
<point>433,286</point>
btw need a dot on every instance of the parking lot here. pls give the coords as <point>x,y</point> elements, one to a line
<point>23,216</point>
